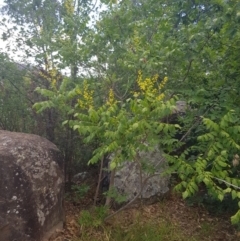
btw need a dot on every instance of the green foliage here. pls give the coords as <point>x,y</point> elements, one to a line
<point>214,206</point>
<point>94,218</point>
<point>140,228</point>
<point>79,191</point>
<point>15,103</point>
<point>112,193</point>
<point>187,43</point>
<point>194,43</point>
<point>214,167</point>
<point>56,99</point>
<point>125,128</point>
<point>148,232</point>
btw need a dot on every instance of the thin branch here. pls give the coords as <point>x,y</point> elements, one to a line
<point>189,130</point>
<point>99,182</point>
<point>108,199</point>
<point>221,180</point>
<point>140,171</point>
<point>195,123</point>
<point>188,70</point>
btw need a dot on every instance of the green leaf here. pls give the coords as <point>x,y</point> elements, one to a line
<point>220,196</point>
<point>113,165</point>
<point>135,126</point>
<point>65,122</point>
<point>227,190</point>
<point>236,218</point>
<point>206,181</point>
<point>185,194</point>
<point>234,194</point>
<point>76,127</point>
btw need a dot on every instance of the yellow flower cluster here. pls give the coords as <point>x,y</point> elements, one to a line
<point>163,83</point>
<point>149,86</point>
<point>160,97</point>
<point>111,99</point>
<point>54,76</point>
<point>44,75</point>
<point>136,94</point>
<point>51,75</point>
<point>78,91</point>
<point>136,39</point>
<point>86,101</point>
<point>69,6</point>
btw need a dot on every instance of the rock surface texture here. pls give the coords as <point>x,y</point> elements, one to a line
<point>128,180</point>
<point>31,187</point>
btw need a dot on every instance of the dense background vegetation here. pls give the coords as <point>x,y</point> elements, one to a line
<point>108,80</point>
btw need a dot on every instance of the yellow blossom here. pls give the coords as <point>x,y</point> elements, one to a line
<point>51,75</point>
<point>54,81</point>
<point>136,39</point>
<point>69,6</point>
<point>78,91</point>
<point>81,104</point>
<point>160,97</point>
<point>149,87</point>
<point>136,94</point>
<point>86,100</point>
<point>163,83</point>
<point>147,84</point>
<point>111,100</point>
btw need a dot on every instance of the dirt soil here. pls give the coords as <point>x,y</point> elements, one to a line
<point>191,220</point>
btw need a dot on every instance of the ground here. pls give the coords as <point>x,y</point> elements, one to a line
<point>171,219</point>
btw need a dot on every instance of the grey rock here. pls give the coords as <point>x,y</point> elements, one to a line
<point>31,187</point>
<point>79,177</point>
<point>127,179</point>
<point>181,106</point>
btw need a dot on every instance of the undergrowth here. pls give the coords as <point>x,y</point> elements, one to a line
<point>134,227</point>
<point>149,231</point>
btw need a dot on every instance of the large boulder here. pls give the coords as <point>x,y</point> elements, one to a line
<point>127,179</point>
<point>31,187</point>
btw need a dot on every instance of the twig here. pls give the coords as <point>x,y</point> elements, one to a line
<point>221,180</point>
<point>194,124</point>
<point>189,130</point>
<point>99,182</point>
<point>140,171</point>
<point>108,199</point>
<point>188,70</point>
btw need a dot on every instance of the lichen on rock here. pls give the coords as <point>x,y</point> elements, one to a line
<point>31,186</point>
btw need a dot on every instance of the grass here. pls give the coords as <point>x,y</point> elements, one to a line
<point>149,231</point>
<point>135,225</point>
<point>169,220</point>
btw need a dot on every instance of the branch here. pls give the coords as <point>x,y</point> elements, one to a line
<point>221,180</point>
<point>195,123</point>
<point>189,130</point>
<point>188,70</point>
<point>99,182</point>
<point>108,199</point>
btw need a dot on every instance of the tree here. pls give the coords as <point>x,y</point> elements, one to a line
<point>49,33</point>
<point>193,43</point>
<point>16,104</point>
